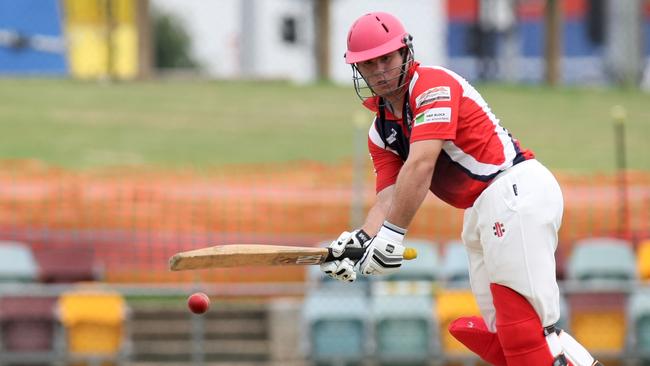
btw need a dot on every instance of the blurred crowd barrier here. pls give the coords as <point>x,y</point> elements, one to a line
<point>130,222</point>
<point>400,319</point>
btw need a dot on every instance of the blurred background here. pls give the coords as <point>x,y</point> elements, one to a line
<point>134,129</point>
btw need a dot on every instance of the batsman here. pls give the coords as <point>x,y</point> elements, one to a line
<point>433,131</point>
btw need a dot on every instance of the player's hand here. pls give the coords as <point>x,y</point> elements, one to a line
<point>356,239</point>
<point>385,252</point>
<point>343,270</point>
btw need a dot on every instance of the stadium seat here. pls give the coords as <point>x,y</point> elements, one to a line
<point>639,313</point>
<point>455,265</point>
<point>424,268</point>
<point>67,265</point>
<point>591,312</point>
<point>17,263</point>
<point>337,326</point>
<point>96,326</point>
<point>404,329</point>
<point>643,260</point>
<point>29,330</point>
<point>602,269</point>
<point>452,304</point>
<point>602,259</point>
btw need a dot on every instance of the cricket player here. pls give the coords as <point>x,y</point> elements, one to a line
<point>433,131</point>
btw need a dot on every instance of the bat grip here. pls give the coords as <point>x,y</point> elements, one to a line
<point>353,253</point>
<point>356,253</point>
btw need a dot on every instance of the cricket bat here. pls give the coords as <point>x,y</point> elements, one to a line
<point>239,255</point>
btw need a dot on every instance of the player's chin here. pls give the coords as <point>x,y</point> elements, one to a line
<point>389,92</point>
<point>383,89</point>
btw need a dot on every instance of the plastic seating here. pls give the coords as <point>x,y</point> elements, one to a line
<point>643,260</point>
<point>598,262</point>
<point>452,304</point>
<point>67,265</point>
<point>95,323</point>
<point>29,330</point>
<point>17,263</point>
<point>424,268</point>
<point>404,328</point>
<point>639,313</point>
<point>602,259</point>
<point>455,264</point>
<point>336,333</point>
<point>591,312</point>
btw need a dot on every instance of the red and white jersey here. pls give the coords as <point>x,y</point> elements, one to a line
<point>443,105</point>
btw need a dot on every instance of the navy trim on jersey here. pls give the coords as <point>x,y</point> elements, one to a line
<point>487,178</point>
<point>401,145</point>
<point>482,178</point>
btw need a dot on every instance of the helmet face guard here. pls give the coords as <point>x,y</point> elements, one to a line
<point>365,90</point>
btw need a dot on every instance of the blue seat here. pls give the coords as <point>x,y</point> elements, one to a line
<point>639,313</point>
<point>17,263</point>
<point>424,268</point>
<point>404,328</point>
<point>455,264</point>
<point>337,325</point>
<point>602,259</point>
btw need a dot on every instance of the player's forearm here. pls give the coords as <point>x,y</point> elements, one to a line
<point>378,211</point>
<point>412,185</point>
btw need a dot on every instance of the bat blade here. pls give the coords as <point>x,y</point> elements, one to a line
<point>236,255</point>
<point>240,255</point>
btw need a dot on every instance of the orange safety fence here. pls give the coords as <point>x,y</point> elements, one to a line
<point>134,220</point>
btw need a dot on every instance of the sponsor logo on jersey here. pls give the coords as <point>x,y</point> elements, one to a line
<point>438,93</point>
<point>434,115</point>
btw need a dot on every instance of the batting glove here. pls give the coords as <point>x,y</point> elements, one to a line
<point>355,239</point>
<point>385,252</point>
<point>343,270</point>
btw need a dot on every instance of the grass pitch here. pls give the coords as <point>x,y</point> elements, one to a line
<point>201,124</point>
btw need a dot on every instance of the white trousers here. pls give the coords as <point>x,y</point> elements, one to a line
<point>511,235</point>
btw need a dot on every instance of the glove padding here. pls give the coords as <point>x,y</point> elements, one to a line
<point>343,270</point>
<point>355,239</point>
<point>385,252</point>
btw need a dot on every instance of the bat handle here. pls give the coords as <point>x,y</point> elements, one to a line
<point>356,253</point>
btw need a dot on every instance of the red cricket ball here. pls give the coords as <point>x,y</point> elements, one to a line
<point>198,302</point>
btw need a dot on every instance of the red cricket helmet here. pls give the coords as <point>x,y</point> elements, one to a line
<point>373,35</point>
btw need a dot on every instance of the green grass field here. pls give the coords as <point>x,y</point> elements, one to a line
<point>191,124</point>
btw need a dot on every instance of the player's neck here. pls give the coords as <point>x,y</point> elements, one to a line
<point>394,104</point>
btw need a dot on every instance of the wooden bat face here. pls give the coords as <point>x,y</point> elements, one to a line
<point>241,255</point>
<point>236,255</point>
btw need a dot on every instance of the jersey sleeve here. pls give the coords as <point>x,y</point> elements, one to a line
<point>436,103</point>
<point>386,162</point>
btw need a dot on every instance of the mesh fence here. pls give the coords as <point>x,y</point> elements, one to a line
<point>133,221</point>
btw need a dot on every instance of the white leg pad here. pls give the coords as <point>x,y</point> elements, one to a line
<point>574,351</point>
<point>554,344</point>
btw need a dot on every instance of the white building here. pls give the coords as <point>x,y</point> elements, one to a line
<point>276,39</point>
